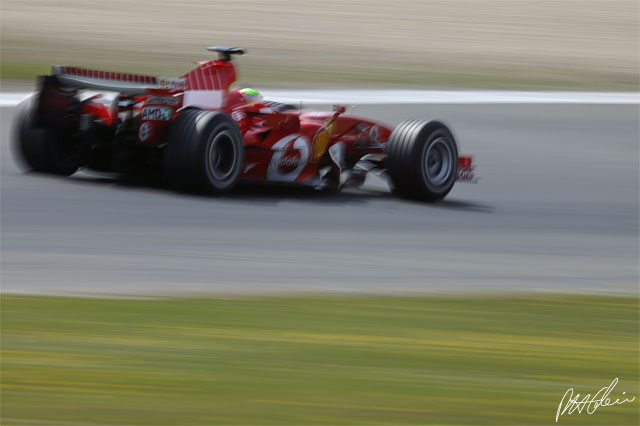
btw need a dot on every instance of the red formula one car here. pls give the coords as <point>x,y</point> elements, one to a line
<point>202,134</point>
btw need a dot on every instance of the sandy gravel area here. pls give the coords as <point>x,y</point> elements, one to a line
<point>571,43</point>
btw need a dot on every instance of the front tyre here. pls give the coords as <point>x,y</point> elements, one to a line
<point>204,151</point>
<point>422,159</point>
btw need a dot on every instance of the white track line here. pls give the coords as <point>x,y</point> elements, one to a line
<point>453,96</point>
<point>420,97</point>
<point>12,99</point>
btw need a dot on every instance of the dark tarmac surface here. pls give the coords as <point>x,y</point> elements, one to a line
<point>556,210</point>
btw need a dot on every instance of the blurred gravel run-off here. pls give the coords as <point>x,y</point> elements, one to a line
<point>455,43</point>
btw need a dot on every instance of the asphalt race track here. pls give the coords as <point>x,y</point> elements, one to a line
<point>556,210</point>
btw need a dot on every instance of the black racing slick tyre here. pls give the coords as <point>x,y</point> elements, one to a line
<point>41,149</point>
<point>204,151</point>
<point>422,159</point>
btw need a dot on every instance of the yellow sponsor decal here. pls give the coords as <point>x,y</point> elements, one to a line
<point>330,125</point>
<point>320,143</point>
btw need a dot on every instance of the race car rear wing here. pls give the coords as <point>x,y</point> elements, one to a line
<point>134,84</point>
<point>205,86</point>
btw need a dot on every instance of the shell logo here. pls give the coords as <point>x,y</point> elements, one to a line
<point>320,143</point>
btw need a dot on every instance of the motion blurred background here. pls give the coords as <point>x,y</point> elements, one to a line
<point>457,43</point>
<point>129,304</point>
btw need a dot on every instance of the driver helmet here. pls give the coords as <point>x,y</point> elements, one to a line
<point>252,96</point>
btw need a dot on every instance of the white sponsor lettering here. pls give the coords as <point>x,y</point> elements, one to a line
<point>467,175</point>
<point>157,113</point>
<point>172,83</point>
<point>301,144</point>
<point>162,100</point>
<point>288,162</point>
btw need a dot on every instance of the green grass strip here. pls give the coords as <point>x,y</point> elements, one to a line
<point>315,360</point>
<point>256,74</point>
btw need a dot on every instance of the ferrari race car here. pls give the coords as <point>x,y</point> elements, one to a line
<point>203,135</point>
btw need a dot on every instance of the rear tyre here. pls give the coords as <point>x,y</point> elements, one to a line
<point>422,159</point>
<point>42,149</point>
<point>204,151</point>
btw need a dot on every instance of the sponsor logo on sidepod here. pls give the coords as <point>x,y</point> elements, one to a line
<point>286,167</point>
<point>291,161</point>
